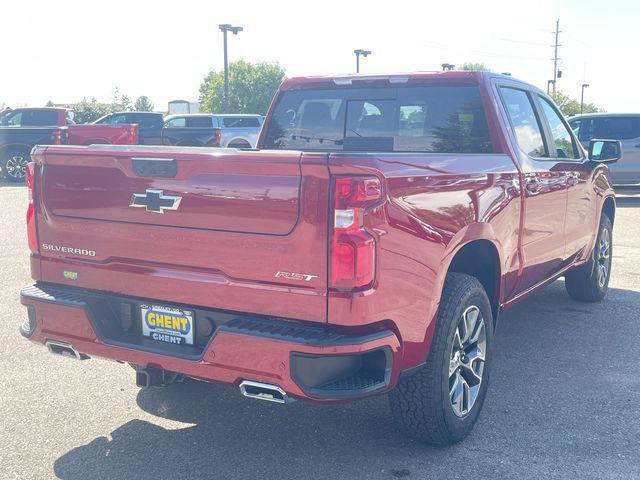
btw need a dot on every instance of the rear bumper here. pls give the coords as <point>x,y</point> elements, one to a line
<point>306,361</point>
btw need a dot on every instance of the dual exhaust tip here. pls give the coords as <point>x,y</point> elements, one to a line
<point>248,388</point>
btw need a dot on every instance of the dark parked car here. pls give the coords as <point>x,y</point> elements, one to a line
<point>193,130</point>
<point>149,124</point>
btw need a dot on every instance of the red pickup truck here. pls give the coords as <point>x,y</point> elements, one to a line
<point>367,246</point>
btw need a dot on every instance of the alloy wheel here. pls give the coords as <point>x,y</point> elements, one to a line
<point>16,165</point>
<point>466,361</point>
<point>604,257</point>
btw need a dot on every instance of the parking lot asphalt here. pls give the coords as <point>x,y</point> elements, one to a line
<point>564,401</point>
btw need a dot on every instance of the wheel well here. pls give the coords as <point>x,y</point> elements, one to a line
<point>239,141</point>
<point>609,209</point>
<point>15,146</point>
<point>480,260</point>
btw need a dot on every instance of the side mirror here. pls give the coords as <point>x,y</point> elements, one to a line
<point>605,151</point>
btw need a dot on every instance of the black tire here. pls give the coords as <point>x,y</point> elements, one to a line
<point>14,161</point>
<point>421,404</point>
<point>239,144</point>
<point>589,282</point>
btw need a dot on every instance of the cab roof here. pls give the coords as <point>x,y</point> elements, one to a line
<point>328,81</point>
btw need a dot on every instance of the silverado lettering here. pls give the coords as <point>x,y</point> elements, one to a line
<point>63,249</point>
<point>424,204</point>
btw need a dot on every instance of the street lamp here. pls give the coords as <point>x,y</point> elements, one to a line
<point>447,66</point>
<point>224,28</point>
<point>359,52</point>
<point>584,85</point>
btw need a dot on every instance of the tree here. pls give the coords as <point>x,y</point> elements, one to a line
<point>473,66</point>
<point>251,87</point>
<point>87,111</point>
<point>50,104</point>
<point>143,104</point>
<point>570,106</point>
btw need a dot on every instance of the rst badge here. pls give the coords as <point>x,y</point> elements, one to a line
<point>155,201</point>
<point>295,276</point>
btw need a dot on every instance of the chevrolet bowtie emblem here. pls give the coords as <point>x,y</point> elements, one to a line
<point>154,201</point>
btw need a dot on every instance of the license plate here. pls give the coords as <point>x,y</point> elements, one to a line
<point>167,324</point>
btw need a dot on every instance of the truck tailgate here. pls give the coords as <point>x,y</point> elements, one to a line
<point>241,231</point>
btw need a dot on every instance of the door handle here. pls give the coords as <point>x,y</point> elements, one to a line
<point>532,185</point>
<point>573,178</point>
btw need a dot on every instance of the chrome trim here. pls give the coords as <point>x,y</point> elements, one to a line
<point>269,397</point>
<point>67,349</point>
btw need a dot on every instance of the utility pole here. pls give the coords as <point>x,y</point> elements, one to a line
<point>555,56</point>
<point>224,28</point>
<point>584,85</point>
<point>359,52</point>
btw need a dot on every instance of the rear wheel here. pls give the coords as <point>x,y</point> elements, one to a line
<point>590,282</point>
<point>14,164</point>
<point>441,402</point>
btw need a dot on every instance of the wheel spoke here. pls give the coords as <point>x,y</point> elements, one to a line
<point>456,393</point>
<point>469,323</point>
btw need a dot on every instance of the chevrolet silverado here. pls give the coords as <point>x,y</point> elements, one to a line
<point>367,246</point>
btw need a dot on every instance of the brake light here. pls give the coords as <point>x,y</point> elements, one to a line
<point>31,213</point>
<point>57,137</point>
<point>352,247</point>
<point>217,136</point>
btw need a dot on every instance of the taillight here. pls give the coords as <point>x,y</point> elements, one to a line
<point>57,137</point>
<point>352,247</point>
<point>31,213</point>
<point>217,136</point>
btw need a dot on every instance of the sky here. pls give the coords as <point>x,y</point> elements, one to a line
<point>66,50</point>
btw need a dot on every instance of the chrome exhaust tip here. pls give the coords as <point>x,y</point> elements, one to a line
<point>64,349</point>
<point>263,391</point>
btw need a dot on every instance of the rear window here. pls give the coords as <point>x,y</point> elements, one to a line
<point>199,122</point>
<point>439,119</point>
<point>241,122</point>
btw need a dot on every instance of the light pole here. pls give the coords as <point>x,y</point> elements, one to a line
<point>224,28</point>
<point>584,85</point>
<point>359,52</point>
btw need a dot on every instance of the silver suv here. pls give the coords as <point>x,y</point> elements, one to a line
<point>618,126</point>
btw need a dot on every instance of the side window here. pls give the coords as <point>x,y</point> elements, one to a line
<point>39,118</point>
<point>582,129</point>
<point>178,122</point>
<point>524,121</point>
<point>199,122</point>
<point>12,119</point>
<point>562,139</point>
<point>241,122</point>
<point>114,119</point>
<point>616,128</point>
